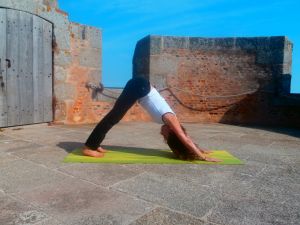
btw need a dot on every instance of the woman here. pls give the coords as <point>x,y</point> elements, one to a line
<point>174,134</point>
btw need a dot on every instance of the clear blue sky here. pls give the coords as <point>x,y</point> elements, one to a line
<point>124,22</point>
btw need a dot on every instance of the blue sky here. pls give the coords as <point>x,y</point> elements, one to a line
<point>124,22</point>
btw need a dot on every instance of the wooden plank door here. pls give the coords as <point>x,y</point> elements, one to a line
<point>28,84</point>
<point>3,104</point>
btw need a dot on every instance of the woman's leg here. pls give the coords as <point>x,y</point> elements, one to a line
<point>135,88</point>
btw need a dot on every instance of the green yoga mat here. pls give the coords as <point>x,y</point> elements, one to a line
<point>124,155</point>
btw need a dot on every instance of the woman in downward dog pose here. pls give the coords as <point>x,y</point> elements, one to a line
<point>139,89</point>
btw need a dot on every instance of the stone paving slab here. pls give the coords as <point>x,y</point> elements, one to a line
<point>28,130</point>
<point>22,175</point>
<point>5,138</point>
<point>268,155</point>
<point>168,217</point>
<point>47,156</point>
<point>213,177</point>
<point>103,175</point>
<point>16,145</point>
<point>286,146</point>
<point>6,159</point>
<point>73,201</point>
<point>13,211</point>
<point>170,192</point>
<point>53,138</point>
<point>50,221</point>
<point>34,181</point>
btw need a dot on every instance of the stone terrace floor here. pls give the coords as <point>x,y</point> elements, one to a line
<point>36,187</point>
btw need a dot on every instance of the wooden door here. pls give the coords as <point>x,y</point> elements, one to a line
<point>26,68</point>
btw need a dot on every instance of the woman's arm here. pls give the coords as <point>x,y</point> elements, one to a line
<point>171,120</point>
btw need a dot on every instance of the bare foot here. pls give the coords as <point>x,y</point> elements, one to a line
<point>102,150</point>
<point>92,153</point>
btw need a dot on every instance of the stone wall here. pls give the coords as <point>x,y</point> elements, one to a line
<point>73,99</point>
<point>76,60</point>
<point>230,80</point>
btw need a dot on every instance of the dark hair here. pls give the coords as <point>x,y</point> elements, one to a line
<point>178,148</point>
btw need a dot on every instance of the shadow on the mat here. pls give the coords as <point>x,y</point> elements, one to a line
<point>71,146</point>
<point>140,151</point>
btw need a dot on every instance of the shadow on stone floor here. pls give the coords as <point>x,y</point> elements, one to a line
<point>293,132</point>
<point>71,146</point>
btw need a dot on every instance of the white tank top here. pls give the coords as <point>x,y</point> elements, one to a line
<point>155,105</point>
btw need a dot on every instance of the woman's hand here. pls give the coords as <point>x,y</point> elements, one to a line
<point>208,159</point>
<point>203,150</point>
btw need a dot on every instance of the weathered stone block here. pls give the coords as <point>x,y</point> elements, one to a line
<point>277,42</point>
<point>51,3</point>
<point>285,81</point>
<point>62,38</point>
<point>264,57</point>
<point>155,45</point>
<point>246,43</point>
<point>74,29</point>
<point>288,49</point>
<point>141,58</point>
<point>277,70</point>
<point>286,69</point>
<point>277,56</point>
<point>142,48</point>
<point>94,36</point>
<point>94,76</point>
<point>62,58</point>
<point>253,43</point>
<point>59,19</point>
<point>64,91</point>
<point>159,81</point>
<point>287,58</point>
<point>224,43</point>
<point>263,43</point>
<point>60,110</point>
<point>60,73</point>
<point>90,57</point>
<point>201,43</point>
<point>175,42</point>
<point>163,65</point>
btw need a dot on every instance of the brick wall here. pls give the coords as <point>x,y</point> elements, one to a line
<point>230,80</point>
